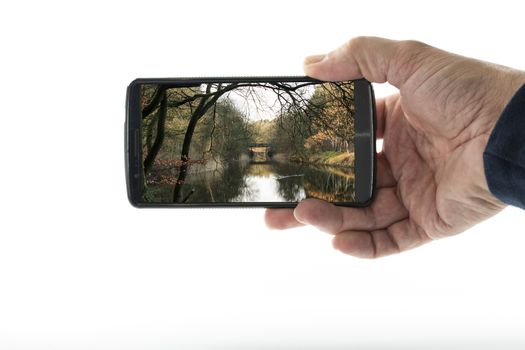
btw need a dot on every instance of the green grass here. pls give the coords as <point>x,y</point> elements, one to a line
<point>343,159</point>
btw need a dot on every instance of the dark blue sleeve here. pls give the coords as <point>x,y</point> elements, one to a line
<point>504,156</point>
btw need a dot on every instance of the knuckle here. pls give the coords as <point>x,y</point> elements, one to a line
<point>356,42</point>
<point>413,45</point>
<point>411,48</point>
<point>409,55</point>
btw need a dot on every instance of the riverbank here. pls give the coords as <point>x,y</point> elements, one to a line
<point>339,159</point>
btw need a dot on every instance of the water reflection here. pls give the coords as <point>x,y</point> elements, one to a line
<point>242,181</point>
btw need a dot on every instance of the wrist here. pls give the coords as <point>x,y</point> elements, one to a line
<point>508,83</point>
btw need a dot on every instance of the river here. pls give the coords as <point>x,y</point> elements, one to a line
<point>243,181</point>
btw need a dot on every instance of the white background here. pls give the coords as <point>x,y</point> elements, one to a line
<point>82,269</point>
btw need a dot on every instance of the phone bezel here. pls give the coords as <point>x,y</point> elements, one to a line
<point>364,141</point>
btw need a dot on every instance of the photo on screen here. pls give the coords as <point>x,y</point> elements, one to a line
<point>251,142</point>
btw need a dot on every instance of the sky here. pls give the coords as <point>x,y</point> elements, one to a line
<point>261,106</point>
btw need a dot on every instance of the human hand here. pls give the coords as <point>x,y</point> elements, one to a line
<point>430,176</point>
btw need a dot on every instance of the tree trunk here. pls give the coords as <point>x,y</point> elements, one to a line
<point>159,138</point>
<point>184,154</point>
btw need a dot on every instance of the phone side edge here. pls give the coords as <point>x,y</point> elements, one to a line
<point>364,142</point>
<point>131,148</point>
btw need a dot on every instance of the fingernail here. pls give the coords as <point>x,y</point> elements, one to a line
<point>298,217</point>
<point>313,59</point>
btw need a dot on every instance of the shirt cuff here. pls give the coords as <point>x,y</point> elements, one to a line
<point>504,155</point>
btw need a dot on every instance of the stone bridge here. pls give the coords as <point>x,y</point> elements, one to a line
<point>260,152</point>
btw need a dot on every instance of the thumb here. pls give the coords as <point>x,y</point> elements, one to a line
<point>375,59</point>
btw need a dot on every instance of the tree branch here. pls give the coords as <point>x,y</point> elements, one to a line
<point>159,93</point>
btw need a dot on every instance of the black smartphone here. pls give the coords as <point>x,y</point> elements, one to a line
<point>249,142</point>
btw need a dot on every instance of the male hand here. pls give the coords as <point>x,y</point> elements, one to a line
<point>430,177</point>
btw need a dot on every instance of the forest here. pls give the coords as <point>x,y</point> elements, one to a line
<point>191,130</point>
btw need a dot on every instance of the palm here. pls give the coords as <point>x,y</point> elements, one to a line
<point>434,137</point>
<point>427,170</point>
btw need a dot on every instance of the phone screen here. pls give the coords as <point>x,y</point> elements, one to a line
<point>247,142</point>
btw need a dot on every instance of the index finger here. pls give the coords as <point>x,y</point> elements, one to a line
<point>376,59</point>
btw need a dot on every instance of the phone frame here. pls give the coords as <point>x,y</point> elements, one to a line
<point>364,141</point>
